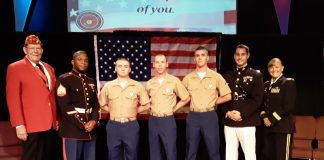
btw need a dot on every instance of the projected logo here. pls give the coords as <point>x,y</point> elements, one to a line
<point>89,21</point>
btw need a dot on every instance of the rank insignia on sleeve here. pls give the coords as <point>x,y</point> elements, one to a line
<point>61,91</point>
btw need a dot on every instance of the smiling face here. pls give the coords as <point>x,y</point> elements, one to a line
<point>160,64</point>
<point>33,52</point>
<point>241,57</point>
<point>275,68</point>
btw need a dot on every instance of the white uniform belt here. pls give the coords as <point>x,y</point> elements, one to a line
<point>80,110</point>
<point>83,110</point>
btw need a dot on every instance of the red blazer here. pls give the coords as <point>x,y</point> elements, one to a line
<point>30,102</point>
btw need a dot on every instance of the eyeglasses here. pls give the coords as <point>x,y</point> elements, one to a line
<point>34,48</point>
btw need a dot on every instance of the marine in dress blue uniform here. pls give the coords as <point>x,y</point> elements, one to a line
<point>79,106</point>
<point>242,112</point>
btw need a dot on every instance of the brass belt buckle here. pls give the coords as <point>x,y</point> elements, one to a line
<point>122,120</point>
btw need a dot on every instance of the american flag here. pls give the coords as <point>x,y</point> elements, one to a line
<point>180,52</point>
<point>140,50</point>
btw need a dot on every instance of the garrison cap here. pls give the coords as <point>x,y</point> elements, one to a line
<point>32,39</point>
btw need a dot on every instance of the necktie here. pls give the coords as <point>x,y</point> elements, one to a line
<point>40,67</point>
<point>43,75</point>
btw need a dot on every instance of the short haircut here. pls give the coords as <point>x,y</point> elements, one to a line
<point>77,53</point>
<point>247,49</point>
<point>273,61</point>
<point>160,54</point>
<point>201,48</point>
<point>122,59</point>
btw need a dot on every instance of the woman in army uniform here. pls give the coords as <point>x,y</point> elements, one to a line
<point>279,101</point>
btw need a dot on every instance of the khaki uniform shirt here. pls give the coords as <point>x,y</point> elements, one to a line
<point>204,92</point>
<point>164,96</point>
<point>123,102</point>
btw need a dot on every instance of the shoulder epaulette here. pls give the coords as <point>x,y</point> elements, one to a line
<point>66,74</point>
<point>290,79</point>
<point>255,70</point>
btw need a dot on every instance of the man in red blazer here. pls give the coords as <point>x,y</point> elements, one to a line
<point>31,101</point>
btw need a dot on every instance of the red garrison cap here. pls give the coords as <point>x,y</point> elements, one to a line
<point>32,39</point>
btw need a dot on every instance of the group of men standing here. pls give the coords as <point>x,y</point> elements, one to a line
<point>240,90</point>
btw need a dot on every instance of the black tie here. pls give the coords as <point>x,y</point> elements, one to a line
<point>44,75</point>
<point>40,67</point>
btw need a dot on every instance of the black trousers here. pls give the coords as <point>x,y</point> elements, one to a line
<point>276,146</point>
<point>41,146</point>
